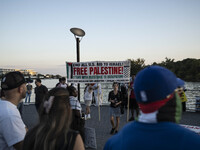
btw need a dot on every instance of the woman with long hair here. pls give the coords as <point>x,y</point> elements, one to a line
<point>53,131</point>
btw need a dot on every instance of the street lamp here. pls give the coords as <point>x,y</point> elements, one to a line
<point>77,34</point>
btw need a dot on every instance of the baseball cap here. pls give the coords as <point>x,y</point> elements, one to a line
<point>12,80</point>
<point>180,82</point>
<point>154,83</point>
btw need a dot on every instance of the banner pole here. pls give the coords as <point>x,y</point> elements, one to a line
<point>98,102</point>
<point>128,102</point>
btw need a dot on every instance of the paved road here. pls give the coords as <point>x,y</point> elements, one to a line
<point>102,127</point>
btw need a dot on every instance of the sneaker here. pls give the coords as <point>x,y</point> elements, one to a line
<point>112,130</point>
<point>88,116</point>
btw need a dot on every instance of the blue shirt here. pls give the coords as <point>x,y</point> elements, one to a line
<point>157,136</point>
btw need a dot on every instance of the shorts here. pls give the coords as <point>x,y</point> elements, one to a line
<point>115,112</point>
<point>88,102</point>
<point>133,104</point>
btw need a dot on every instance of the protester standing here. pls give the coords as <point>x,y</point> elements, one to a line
<point>12,128</point>
<point>29,88</point>
<point>133,104</point>
<point>53,130</point>
<point>62,83</point>
<point>78,122</point>
<point>124,93</point>
<point>115,99</point>
<point>40,92</point>
<point>181,91</point>
<point>88,99</point>
<point>156,127</point>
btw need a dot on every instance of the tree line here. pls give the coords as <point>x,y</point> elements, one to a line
<point>187,69</point>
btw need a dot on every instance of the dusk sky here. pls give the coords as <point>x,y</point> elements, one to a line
<point>35,34</point>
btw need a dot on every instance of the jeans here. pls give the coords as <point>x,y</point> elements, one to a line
<point>28,97</point>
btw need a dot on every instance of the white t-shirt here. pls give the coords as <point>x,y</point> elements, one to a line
<point>12,128</point>
<point>62,85</point>
<point>74,103</point>
<point>88,94</point>
<point>96,89</point>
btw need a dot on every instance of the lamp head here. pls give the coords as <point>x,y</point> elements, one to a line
<point>77,32</point>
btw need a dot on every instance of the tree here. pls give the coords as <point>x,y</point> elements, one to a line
<point>188,69</point>
<point>137,65</point>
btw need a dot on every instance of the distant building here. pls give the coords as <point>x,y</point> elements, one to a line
<point>32,72</point>
<point>23,71</point>
<point>4,71</point>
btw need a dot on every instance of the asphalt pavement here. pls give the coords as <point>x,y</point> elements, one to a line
<point>101,123</point>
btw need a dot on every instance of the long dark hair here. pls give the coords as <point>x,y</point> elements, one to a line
<point>54,123</point>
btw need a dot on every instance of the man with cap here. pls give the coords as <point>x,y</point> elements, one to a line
<point>12,128</point>
<point>160,110</point>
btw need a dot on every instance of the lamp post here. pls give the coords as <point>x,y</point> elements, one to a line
<point>77,34</point>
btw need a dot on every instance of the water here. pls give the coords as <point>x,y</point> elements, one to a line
<point>50,83</point>
<point>193,91</point>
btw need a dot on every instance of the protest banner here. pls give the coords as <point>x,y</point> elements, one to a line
<point>98,71</point>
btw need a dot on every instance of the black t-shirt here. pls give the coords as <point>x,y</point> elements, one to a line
<point>123,89</point>
<point>40,93</point>
<point>117,98</point>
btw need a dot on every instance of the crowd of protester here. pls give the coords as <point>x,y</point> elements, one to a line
<point>154,102</point>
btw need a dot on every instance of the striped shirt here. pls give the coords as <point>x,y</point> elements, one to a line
<point>75,104</point>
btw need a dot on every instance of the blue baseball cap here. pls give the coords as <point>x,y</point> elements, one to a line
<point>154,83</point>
